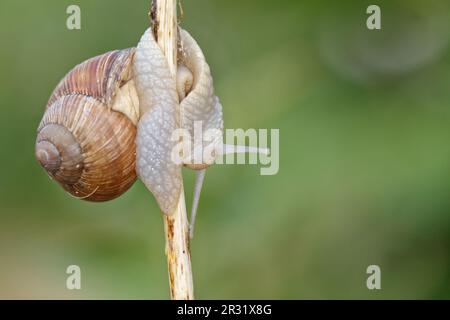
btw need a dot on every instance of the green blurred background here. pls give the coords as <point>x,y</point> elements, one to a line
<point>364,119</point>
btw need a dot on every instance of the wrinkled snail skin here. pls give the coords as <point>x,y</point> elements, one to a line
<point>200,104</point>
<point>83,142</point>
<point>162,113</point>
<point>159,110</point>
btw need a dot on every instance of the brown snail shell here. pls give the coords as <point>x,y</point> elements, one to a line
<point>86,138</point>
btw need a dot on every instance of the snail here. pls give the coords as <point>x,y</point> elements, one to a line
<point>113,117</point>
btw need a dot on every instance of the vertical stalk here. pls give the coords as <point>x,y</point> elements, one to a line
<point>176,225</point>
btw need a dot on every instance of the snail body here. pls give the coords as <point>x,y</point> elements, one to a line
<point>166,105</point>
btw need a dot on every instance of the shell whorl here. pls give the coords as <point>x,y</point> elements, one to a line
<point>82,142</point>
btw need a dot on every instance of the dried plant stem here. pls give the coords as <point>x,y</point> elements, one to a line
<point>176,226</point>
